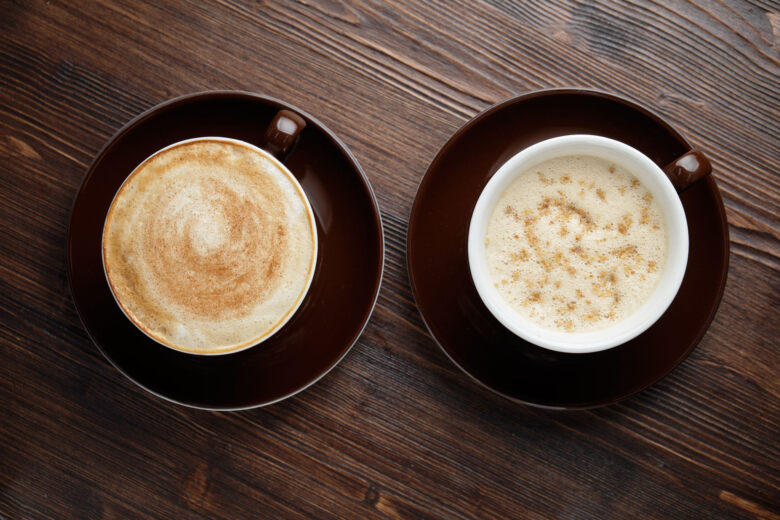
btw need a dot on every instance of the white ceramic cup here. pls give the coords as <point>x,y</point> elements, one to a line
<point>651,176</point>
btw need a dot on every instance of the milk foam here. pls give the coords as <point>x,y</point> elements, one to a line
<point>576,244</point>
<point>209,245</point>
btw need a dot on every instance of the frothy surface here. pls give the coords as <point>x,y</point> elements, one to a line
<point>576,244</point>
<point>208,245</point>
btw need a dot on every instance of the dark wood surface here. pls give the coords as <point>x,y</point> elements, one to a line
<point>396,430</point>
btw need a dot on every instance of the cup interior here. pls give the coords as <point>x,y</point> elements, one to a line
<point>656,182</point>
<point>219,349</point>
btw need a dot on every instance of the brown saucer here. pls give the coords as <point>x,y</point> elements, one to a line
<point>346,281</point>
<point>448,301</point>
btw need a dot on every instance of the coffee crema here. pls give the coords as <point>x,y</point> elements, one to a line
<point>209,245</point>
<point>576,244</point>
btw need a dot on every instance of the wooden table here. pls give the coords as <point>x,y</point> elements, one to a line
<point>396,430</point>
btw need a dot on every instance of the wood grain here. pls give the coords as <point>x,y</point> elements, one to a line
<point>396,431</point>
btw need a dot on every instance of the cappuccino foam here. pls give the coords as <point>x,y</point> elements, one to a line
<point>209,245</point>
<point>576,244</point>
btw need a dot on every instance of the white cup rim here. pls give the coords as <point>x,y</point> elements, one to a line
<point>293,309</point>
<point>651,176</point>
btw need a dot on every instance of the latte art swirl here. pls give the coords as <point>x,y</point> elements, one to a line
<point>209,245</point>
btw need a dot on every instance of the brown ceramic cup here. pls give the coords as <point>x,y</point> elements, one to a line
<point>183,331</point>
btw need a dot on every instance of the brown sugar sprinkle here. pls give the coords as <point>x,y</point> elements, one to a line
<point>607,277</point>
<point>625,252</point>
<point>535,297</point>
<point>572,209</point>
<point>487,241</point>
<point>645,219</point>
<point>625,224</point>
<point>651,266</point>
<point>530,236</point>
<point>611,168</point>
<point>647,197</point>
<point>521,256</point>
<point>592,316</point>
<point>566,324</point>
<point>602,289</point>
<point>544,179</point>
<point>577,250</point>
<point>568,222</point>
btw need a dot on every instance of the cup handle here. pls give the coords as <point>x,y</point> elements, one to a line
<point>282,132</point>
<point>688,169</point>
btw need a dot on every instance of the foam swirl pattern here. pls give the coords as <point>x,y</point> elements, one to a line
<point>209,246</point>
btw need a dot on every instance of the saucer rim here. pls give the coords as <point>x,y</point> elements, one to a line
<point>195,97</point>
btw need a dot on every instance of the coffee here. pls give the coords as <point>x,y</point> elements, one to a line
<point>209,245</point>
<point>576,243</point>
